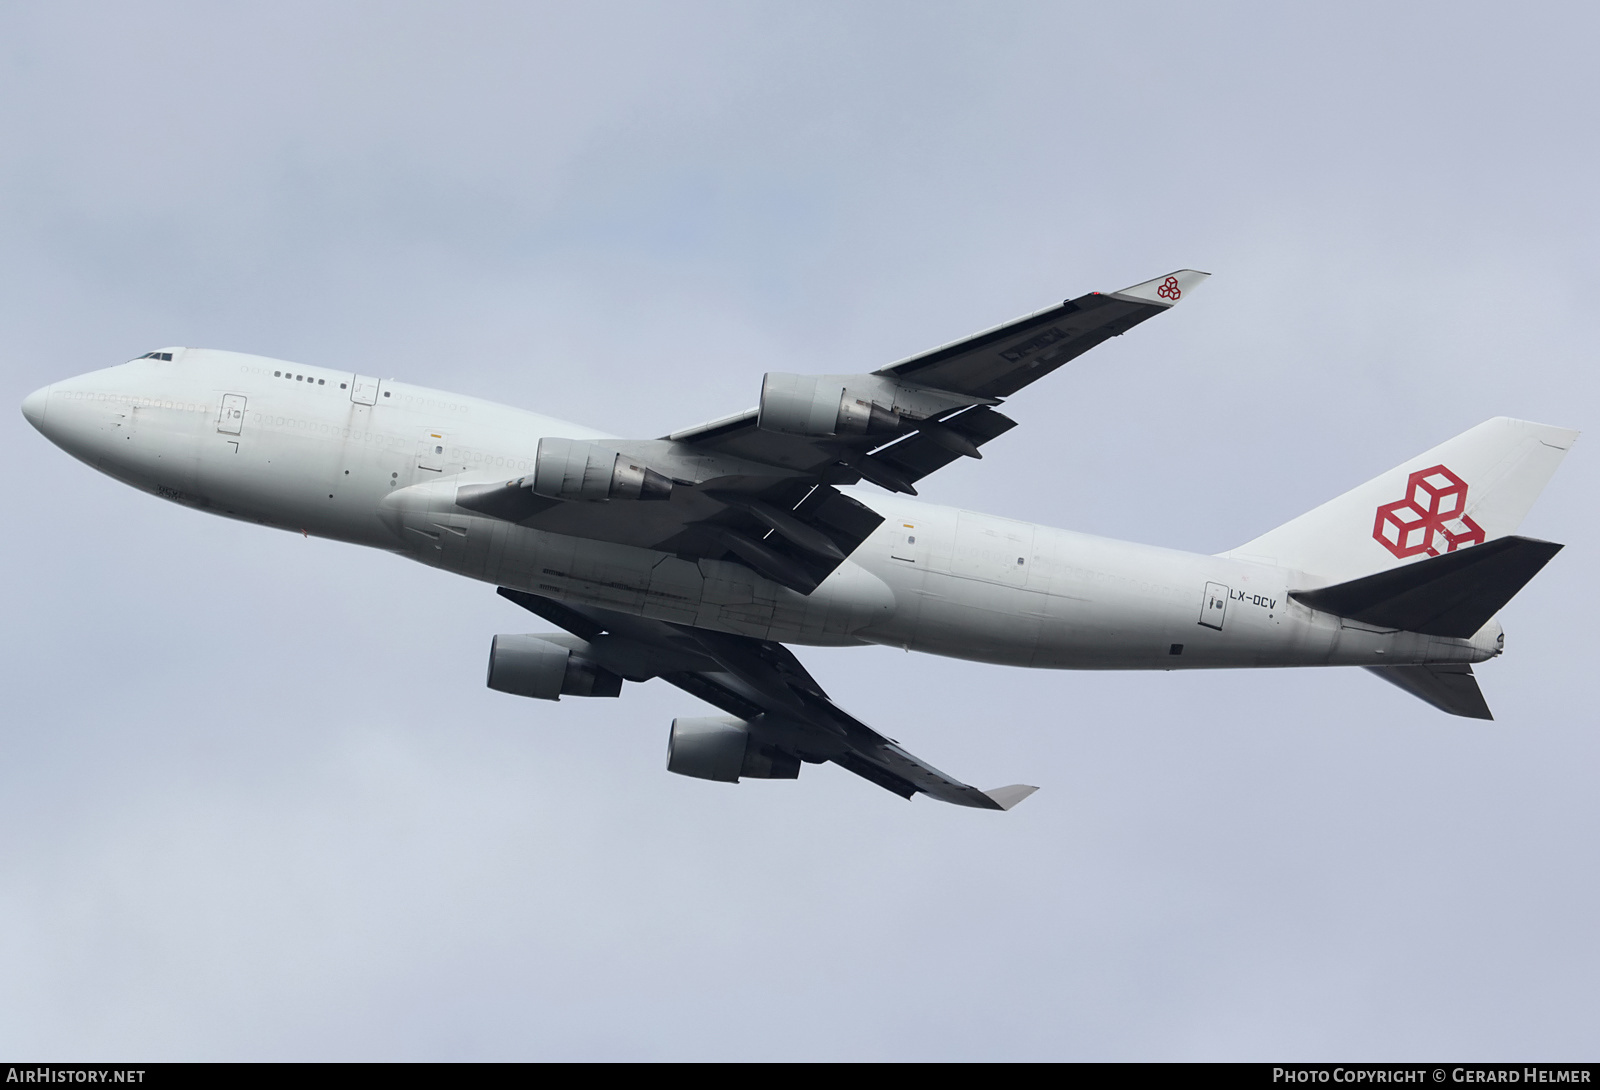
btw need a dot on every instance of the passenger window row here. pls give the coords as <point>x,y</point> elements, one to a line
<point>302,378</point>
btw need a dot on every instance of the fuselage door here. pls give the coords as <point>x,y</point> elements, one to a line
<point>903,542</point>
<point>1215,606</point>
<point>430,451</point>
<point>364,390</point>
<point>231,419</point>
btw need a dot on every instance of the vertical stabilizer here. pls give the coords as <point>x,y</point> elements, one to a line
<point>1470,489</point>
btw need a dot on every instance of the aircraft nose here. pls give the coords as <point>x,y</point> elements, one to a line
<point>34,406</point>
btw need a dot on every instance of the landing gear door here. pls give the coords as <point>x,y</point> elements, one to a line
<point>1215,606</point>
<point>364,390</point>
<point>230,421</point>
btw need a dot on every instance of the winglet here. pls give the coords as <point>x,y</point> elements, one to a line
<point>1007,797</point>
<point>1163,291</point>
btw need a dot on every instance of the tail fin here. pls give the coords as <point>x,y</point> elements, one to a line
<point>1473,488</point>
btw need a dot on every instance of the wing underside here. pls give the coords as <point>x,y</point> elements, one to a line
<point>766,689</point>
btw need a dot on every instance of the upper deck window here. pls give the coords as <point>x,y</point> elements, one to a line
<point>301,378</point>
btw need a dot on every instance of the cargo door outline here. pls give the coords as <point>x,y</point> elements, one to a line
<point>230,419</point>
<point>1214,606</point>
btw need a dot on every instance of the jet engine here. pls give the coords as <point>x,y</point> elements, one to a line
<point>545,670</point>
<point>820,405</point>
<point>719,747</point>
<point>579,469</point>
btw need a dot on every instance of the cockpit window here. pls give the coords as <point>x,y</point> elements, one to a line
<point>156,356</point>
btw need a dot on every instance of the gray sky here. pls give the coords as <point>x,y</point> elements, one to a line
<point>255,801</point>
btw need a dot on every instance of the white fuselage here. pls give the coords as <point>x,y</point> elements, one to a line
<point>378,463</point>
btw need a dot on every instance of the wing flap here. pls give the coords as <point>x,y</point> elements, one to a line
<point>797,547</point>
<point>919,454</point>
<point>875,773</point>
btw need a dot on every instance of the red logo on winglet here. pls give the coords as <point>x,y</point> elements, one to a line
<point>1429,519</point>
<point>1169,289</point>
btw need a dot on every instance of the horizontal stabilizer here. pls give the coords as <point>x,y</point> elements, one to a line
<point>1453,594</point>
<point>1450,688</point>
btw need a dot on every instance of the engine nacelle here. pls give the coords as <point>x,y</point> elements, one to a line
<point>720,747</point>
<point>580,469</point>
<point>820,405</point>
<point>545,670</point>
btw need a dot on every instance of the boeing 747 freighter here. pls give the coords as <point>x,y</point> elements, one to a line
<point>698,556</point>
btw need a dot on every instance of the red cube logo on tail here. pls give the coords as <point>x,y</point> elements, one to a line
<point>1429,519</point>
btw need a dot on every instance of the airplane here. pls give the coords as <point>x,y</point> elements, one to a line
<point>698,556</point>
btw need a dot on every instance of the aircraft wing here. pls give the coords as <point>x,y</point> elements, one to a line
<point>1000,361</point>
<point>978,370</point>
<point>765,686</point>
<point>757,488</point>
